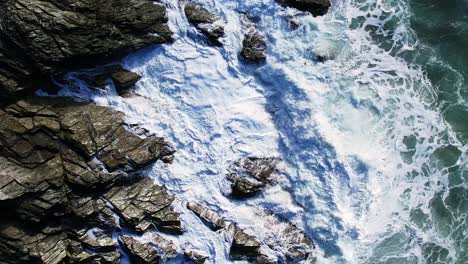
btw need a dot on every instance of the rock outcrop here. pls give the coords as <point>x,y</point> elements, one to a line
<point>123,79</point>
<point>283,242</point>
<point>57,34</point>
<point>253,46</point>
<point>315,7</point>
<point>250,175</point>
<point>39,38</point>
<point>210,25</point>
<point>64,167</point>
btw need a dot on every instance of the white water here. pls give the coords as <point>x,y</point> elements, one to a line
<point>338,126</point>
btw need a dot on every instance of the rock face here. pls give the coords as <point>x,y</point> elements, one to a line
<point>57,33</point>
<point>206,22</point>
<point>64,166</point>
<point>43,37</point>
<point>315,7</point>
<point>253,47</point>
<point>250,175</point>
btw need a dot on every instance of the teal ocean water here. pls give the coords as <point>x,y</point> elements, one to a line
<point>432,36</point>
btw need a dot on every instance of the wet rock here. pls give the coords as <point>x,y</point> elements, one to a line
<point>56,166</point>
<point>315,7</point>
<point>57,34</point>
<point>124,80</point>
<point>251,175</point>
<point>209,217</point>
<point>253,47</point>
<point>166,248</point>
<point>243,246</point>
<point>49,245</point>
<point>210,25</point>
<point>138,251</point>
<point>16,73</point>
<point>195,257</point>
<point>143,204</point>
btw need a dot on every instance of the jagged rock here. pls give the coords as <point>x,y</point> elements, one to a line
<point>207,23</point>
<point>250,175</point>
<point>144,203</point>
<point>98,240</point>
<point>209,217</point>
<point>50,172</point>
<point>195,257</point>
<point>16,73</point>
<point>298,246</point>
<point>139,252</point>
<point>58,34</point>
<point>243,246</point>
<point>166,248</point>
<point>49,245</point>
<point>253,47</point>
<point>122,79</point>
<point>315,7</point>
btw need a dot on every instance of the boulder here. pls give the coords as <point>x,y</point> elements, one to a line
<point>57,166</point>
<point>315,7</point>
<point>124,80</point>
<point>210,25</point>
<point>250,175</point>
<point>253,47</point>
<point>98,78</point>
<point>243,246</point>
<point>48,245</point>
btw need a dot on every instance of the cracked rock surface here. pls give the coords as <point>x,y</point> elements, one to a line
<point>64,167</point>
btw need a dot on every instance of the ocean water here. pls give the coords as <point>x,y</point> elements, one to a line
<point>372,140</point>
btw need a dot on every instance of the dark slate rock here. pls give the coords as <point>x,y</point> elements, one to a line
<point>61,34</point>
<point>204,21</point>
<point>253,47</point>
<point>144,203</point>
<point>139,252</point>
<point>250,175</point>
<point>243,246</point>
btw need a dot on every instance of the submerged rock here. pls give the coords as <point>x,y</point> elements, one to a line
<point>251,175</point>
<point>315,7</point>
<point>207,23</point>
